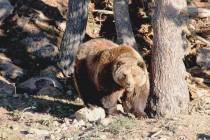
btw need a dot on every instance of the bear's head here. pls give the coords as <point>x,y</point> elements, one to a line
<point>127,72</point>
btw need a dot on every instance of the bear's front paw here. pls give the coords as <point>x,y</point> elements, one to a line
<point>140,115</point>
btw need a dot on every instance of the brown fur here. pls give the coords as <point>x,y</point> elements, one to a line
<point>110,71</point>
<point>96,63</point>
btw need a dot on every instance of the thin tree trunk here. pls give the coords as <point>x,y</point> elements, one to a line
<point>123,24</point>
<point>170,93</point>
<point>73,35</point>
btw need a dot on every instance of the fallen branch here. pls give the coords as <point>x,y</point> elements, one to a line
<point>191,33</point>
<point>156,133</point>
<point>200,4</point>
<point>202,40</point>
<point>198,12</point>
<point>106,12</point>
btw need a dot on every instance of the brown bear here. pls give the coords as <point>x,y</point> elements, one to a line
<point>106,72</point>
<point>137,89</point>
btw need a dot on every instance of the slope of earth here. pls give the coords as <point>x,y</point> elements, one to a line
<point>27,125</point>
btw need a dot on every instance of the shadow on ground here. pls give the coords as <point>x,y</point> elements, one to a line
<point>56,106</point>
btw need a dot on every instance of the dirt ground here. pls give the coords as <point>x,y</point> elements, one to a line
<point>26,125</point>
<point>27,116</point>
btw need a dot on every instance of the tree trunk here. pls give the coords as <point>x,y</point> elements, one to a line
<point>170,95</point>
<point>73,35</point>
<point>123,24</point>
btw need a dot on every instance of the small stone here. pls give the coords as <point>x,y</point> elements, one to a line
<point>66,121</point>
<point>103,137</point>
<point>82,128</point>
<point>78,123</point>
<point>58,130</point>
<point>55,123</point>
<point>81,123</point>
<point>62,26</point>
<point>120,108</point>
<point>105,121</point>
<point>65,128</point>
<point>91,115</point>
<point>63,125</point>
<point>74,121</point>
<point>38,131</point>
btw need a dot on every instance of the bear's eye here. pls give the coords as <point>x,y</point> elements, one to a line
<point>119,64</point>
<point>141,65</point>
<point>124,76</point>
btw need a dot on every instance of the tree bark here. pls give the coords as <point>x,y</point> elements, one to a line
<point>73,35</point>
<point>170,95</point>
<point>123,24</point>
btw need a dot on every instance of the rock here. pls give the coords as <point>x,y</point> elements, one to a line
<point>6,88</point>
<point>203,58</point>
<point>50,71</point>
<point>34,84</point>
<point>8,69</point>
<point>49,91</point>
<point>11,71</point>
<point>5,10</point>
<point>39,47</point>
<point>91,115</point>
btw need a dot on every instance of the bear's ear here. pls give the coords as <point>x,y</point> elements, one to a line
<point>96,57</point>
<point>125,45</point>
<point>100,56</point>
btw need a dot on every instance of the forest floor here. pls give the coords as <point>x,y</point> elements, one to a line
<point>49,114</point>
